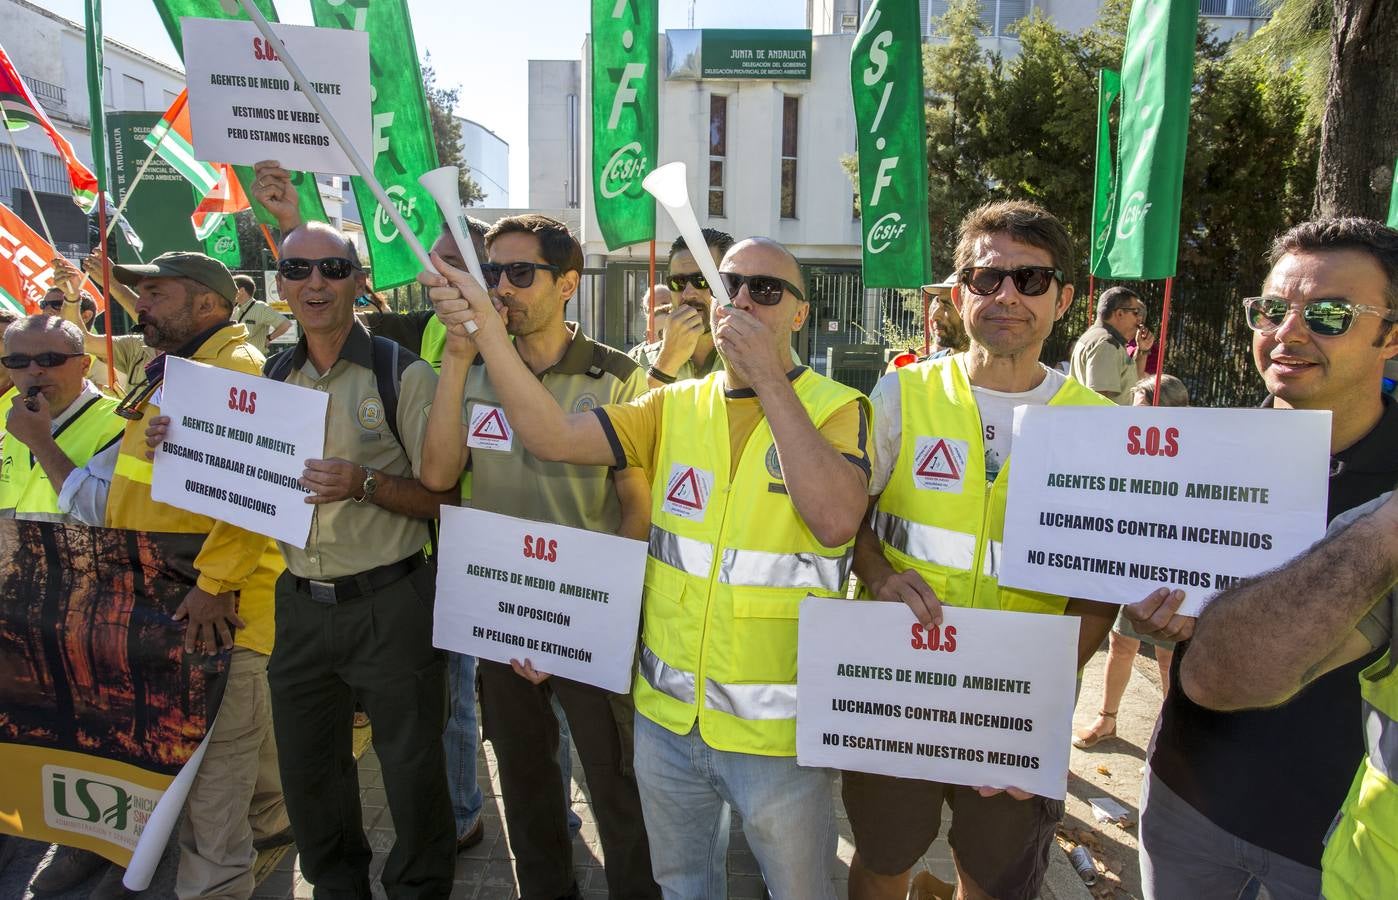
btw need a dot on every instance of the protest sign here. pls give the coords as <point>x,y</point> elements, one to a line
<point>985,699</point>
<point>566,599</point>
<point>1110,503</point>
<point>245,108</point>
<point>104,712</point>
<point>236,447</point>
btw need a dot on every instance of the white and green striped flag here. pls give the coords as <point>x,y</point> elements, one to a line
<point>171,139</point>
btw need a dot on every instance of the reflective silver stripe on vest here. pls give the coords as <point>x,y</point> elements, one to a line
<point>33,516</point>
<point>990,563</point>
<point>1381,735</point>
<point>758,568</point>
<point>665,678</point>
<point>929,543</point>
<point>751,701</point>
<point>686,554</point>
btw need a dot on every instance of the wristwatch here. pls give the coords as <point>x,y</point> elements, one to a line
<point>371,484</point>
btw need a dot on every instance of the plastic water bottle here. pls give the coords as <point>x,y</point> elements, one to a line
<point>1081,858</point>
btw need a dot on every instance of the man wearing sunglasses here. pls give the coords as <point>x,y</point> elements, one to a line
<point>953,417</point>
<point>686,345</point>
<point>183,304</point>
<point>58,422</point>
<point>354,607</point>
<point>532,270</point>
<point>758,475</point>
<point>1100,357</point>
<point>1238,796</point>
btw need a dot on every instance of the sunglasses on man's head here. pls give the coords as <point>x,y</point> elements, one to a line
<point>1031,281</point>
<point>696,279</point>
<point>765,290</point>
<point>335,268</point>
<point>49,360</point>
<point>520,274</point>
<point>1328,316</point>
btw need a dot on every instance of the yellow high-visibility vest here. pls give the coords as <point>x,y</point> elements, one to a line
<point>25,490</point>
<point>730,561</point>
<point>938,515</point>
<point>1361,853</point>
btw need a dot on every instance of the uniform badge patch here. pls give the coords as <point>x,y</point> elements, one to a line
<point>939,464</point>
<point>687,492</point>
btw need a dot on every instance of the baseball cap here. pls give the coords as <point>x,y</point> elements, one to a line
<point>206,270</point>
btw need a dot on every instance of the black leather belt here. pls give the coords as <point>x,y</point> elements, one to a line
<point>339,590</point>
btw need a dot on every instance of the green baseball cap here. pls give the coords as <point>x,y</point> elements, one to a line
<point>206,270</point>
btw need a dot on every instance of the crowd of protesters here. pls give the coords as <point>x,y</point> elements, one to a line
<point>1277,695</point>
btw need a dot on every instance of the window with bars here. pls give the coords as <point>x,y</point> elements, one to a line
<point>718,152</point>
<point>46,172</point>
<point>997,16</point>
<point>108,92</point>
<point>790,111</point>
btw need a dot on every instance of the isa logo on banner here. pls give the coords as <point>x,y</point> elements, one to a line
<point>99,805</point>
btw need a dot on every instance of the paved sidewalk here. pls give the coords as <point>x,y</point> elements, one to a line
<point>486,872</point>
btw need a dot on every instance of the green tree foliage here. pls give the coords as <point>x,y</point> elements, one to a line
<point>446,131</point>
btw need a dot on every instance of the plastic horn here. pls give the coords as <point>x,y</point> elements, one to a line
<point>442,184</point>
<point>667,184</point>
<point>362,168</point>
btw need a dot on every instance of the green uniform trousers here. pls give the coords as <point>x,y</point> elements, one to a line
<point>376,648</point>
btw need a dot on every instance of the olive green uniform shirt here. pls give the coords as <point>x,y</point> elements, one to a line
<point>259,319</point>
<point>347,537</point>
<point>506,478</point>
<point>1101,362</point>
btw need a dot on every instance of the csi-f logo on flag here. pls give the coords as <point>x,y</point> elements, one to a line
<point>886,81</point>
<point>624,112</point>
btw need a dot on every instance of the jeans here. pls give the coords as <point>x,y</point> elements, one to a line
<point>462,743</point>
<point>688,790</point>
<point>1184,854</point>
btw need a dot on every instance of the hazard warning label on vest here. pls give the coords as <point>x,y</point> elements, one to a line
<point>489,429</point>
<point>939,464</point>
<point>687,492</point>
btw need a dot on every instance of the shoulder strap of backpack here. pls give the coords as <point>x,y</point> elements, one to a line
<point>389,364</point>
<point>279,366</point>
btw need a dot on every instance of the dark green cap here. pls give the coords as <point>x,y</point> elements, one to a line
<point>206,270</point>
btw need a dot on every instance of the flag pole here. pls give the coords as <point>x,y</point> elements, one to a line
<point>106,281</point>
<point>126,196</point>
<point>271,244</point>
<point>650,292</point>
<point>1164,331</point>
<point>926,323</point>
<point>24,173</point>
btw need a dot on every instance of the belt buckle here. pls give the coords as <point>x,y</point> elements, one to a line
<point>322,591</point>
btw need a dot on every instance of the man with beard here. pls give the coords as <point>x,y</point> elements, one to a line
<point>533,270</point>
<point>183,305</point>
<point>1260,735</point>
<point>1014,280</point>
<point>686,345</point>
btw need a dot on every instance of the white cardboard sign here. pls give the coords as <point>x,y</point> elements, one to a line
<point>566,599</point>
<point>244,106</point>
<point>984,700</point>
<point>1110,503</point>
<point>236,447</point>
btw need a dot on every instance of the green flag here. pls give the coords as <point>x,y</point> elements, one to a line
<point>1393,199</point>
<point>403,145</point>
<point>171,11</point>
<point>97,112</point>
<point>1104,183</point>
<point>885,71</point>
<point>624,114</point>
<point>1157,75</point>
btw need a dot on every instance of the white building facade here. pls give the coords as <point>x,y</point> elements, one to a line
<point>487,157</point>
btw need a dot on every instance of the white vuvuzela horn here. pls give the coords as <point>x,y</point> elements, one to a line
<point>667,184</point>
<point>442,184</point>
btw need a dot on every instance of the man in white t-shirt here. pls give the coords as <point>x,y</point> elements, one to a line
<point>942,433</point>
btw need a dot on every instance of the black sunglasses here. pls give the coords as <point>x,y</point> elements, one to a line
<point>336,268</point>
<point>1031,281</point>
<point>696,279</point>
<point>1328,316</point>
<point>520,274</point>
<point>51,304</point>
<point>765,290</point>
<point>45,360</point>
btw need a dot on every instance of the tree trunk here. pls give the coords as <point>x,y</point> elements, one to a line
<point>1359,132</point>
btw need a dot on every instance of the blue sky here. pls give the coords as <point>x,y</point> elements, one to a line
<point>476,43</point>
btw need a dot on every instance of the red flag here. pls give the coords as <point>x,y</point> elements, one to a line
<point>25,273</point>
<point>224,199</point>
<point>19,108</point>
